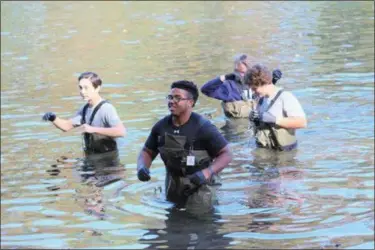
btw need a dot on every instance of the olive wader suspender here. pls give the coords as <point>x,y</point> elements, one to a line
<point>190,141</point>
<point>86,136</point>
<point>274,138</point>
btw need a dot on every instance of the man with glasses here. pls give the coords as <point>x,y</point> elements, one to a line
<point>191,147</point>
<point>237,97</point>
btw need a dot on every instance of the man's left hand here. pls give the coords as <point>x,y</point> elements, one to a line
<point>197,178</point>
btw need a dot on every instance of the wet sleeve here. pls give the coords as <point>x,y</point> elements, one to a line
<point>111,116</point>
<point>152,140</point>
<point>213,140</point>
<point>292,106</point>
<point>76,120</point>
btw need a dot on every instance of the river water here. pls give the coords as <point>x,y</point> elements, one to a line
<point>318,197</point>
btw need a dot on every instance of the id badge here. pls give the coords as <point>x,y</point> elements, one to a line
<point>190,161</point>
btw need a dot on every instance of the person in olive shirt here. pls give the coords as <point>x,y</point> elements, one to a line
<point>191,147</point>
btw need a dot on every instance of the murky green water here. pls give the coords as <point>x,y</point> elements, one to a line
<point>320,197</point>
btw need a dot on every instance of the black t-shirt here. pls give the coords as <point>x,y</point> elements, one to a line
<point>206,137</point>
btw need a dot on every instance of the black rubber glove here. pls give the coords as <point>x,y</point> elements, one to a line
<point>49,116</point>
<point>188,188</point>
<point>233,76</point>
<point>143,174</point>
<point>197,178</point>
<point>276,75</point>
<point>267,117</point>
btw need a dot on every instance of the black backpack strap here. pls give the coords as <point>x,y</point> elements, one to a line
<point>260,101</point>
<point>200,123</point>
<point>96,110</point>
<point>84,111</point>
<point>273,136</point>
<point>274,99</point>
<point>86,136</point>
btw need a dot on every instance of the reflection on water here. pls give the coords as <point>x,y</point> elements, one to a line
<point>320,196</point>
<point>183,230</point>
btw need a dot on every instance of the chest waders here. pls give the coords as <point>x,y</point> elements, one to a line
<point>95,143</point>
<point>273,136</point>
<point>178,187</point>
<point>237,109</point>
<point>241,108</point>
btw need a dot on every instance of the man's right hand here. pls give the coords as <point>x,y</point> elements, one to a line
<point>233,77</point>
<point>49,116</point>
<point>143,174</point>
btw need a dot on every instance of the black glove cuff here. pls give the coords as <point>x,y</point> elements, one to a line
<point>52,118</point>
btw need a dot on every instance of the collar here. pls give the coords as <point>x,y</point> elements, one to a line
<point>93,106</point>
<point>277,89</point>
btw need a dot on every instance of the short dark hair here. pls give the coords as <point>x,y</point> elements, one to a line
<point>93,77</point>
<point>189,87</point>
<point>258,75</point>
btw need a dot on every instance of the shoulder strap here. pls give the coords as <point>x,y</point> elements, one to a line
<point>201,122</point>
<point>83,118</point>
<point>261,100</point>
<point>274,99</point>
<point>96,110</point>
<point>273,135</point>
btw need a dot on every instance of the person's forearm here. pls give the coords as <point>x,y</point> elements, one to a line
<point>292,122</point>
<point>221,161</point>
<point>62,124</point>
<point>144,159</point>
<point>111,132</point>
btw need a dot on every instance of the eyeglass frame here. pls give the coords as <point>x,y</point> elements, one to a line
<point>176,99</point>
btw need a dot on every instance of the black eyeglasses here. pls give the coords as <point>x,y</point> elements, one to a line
<point>175,98</point>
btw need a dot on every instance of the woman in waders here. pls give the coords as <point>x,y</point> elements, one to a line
<point>191,147</point>
<point>278,113</point>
